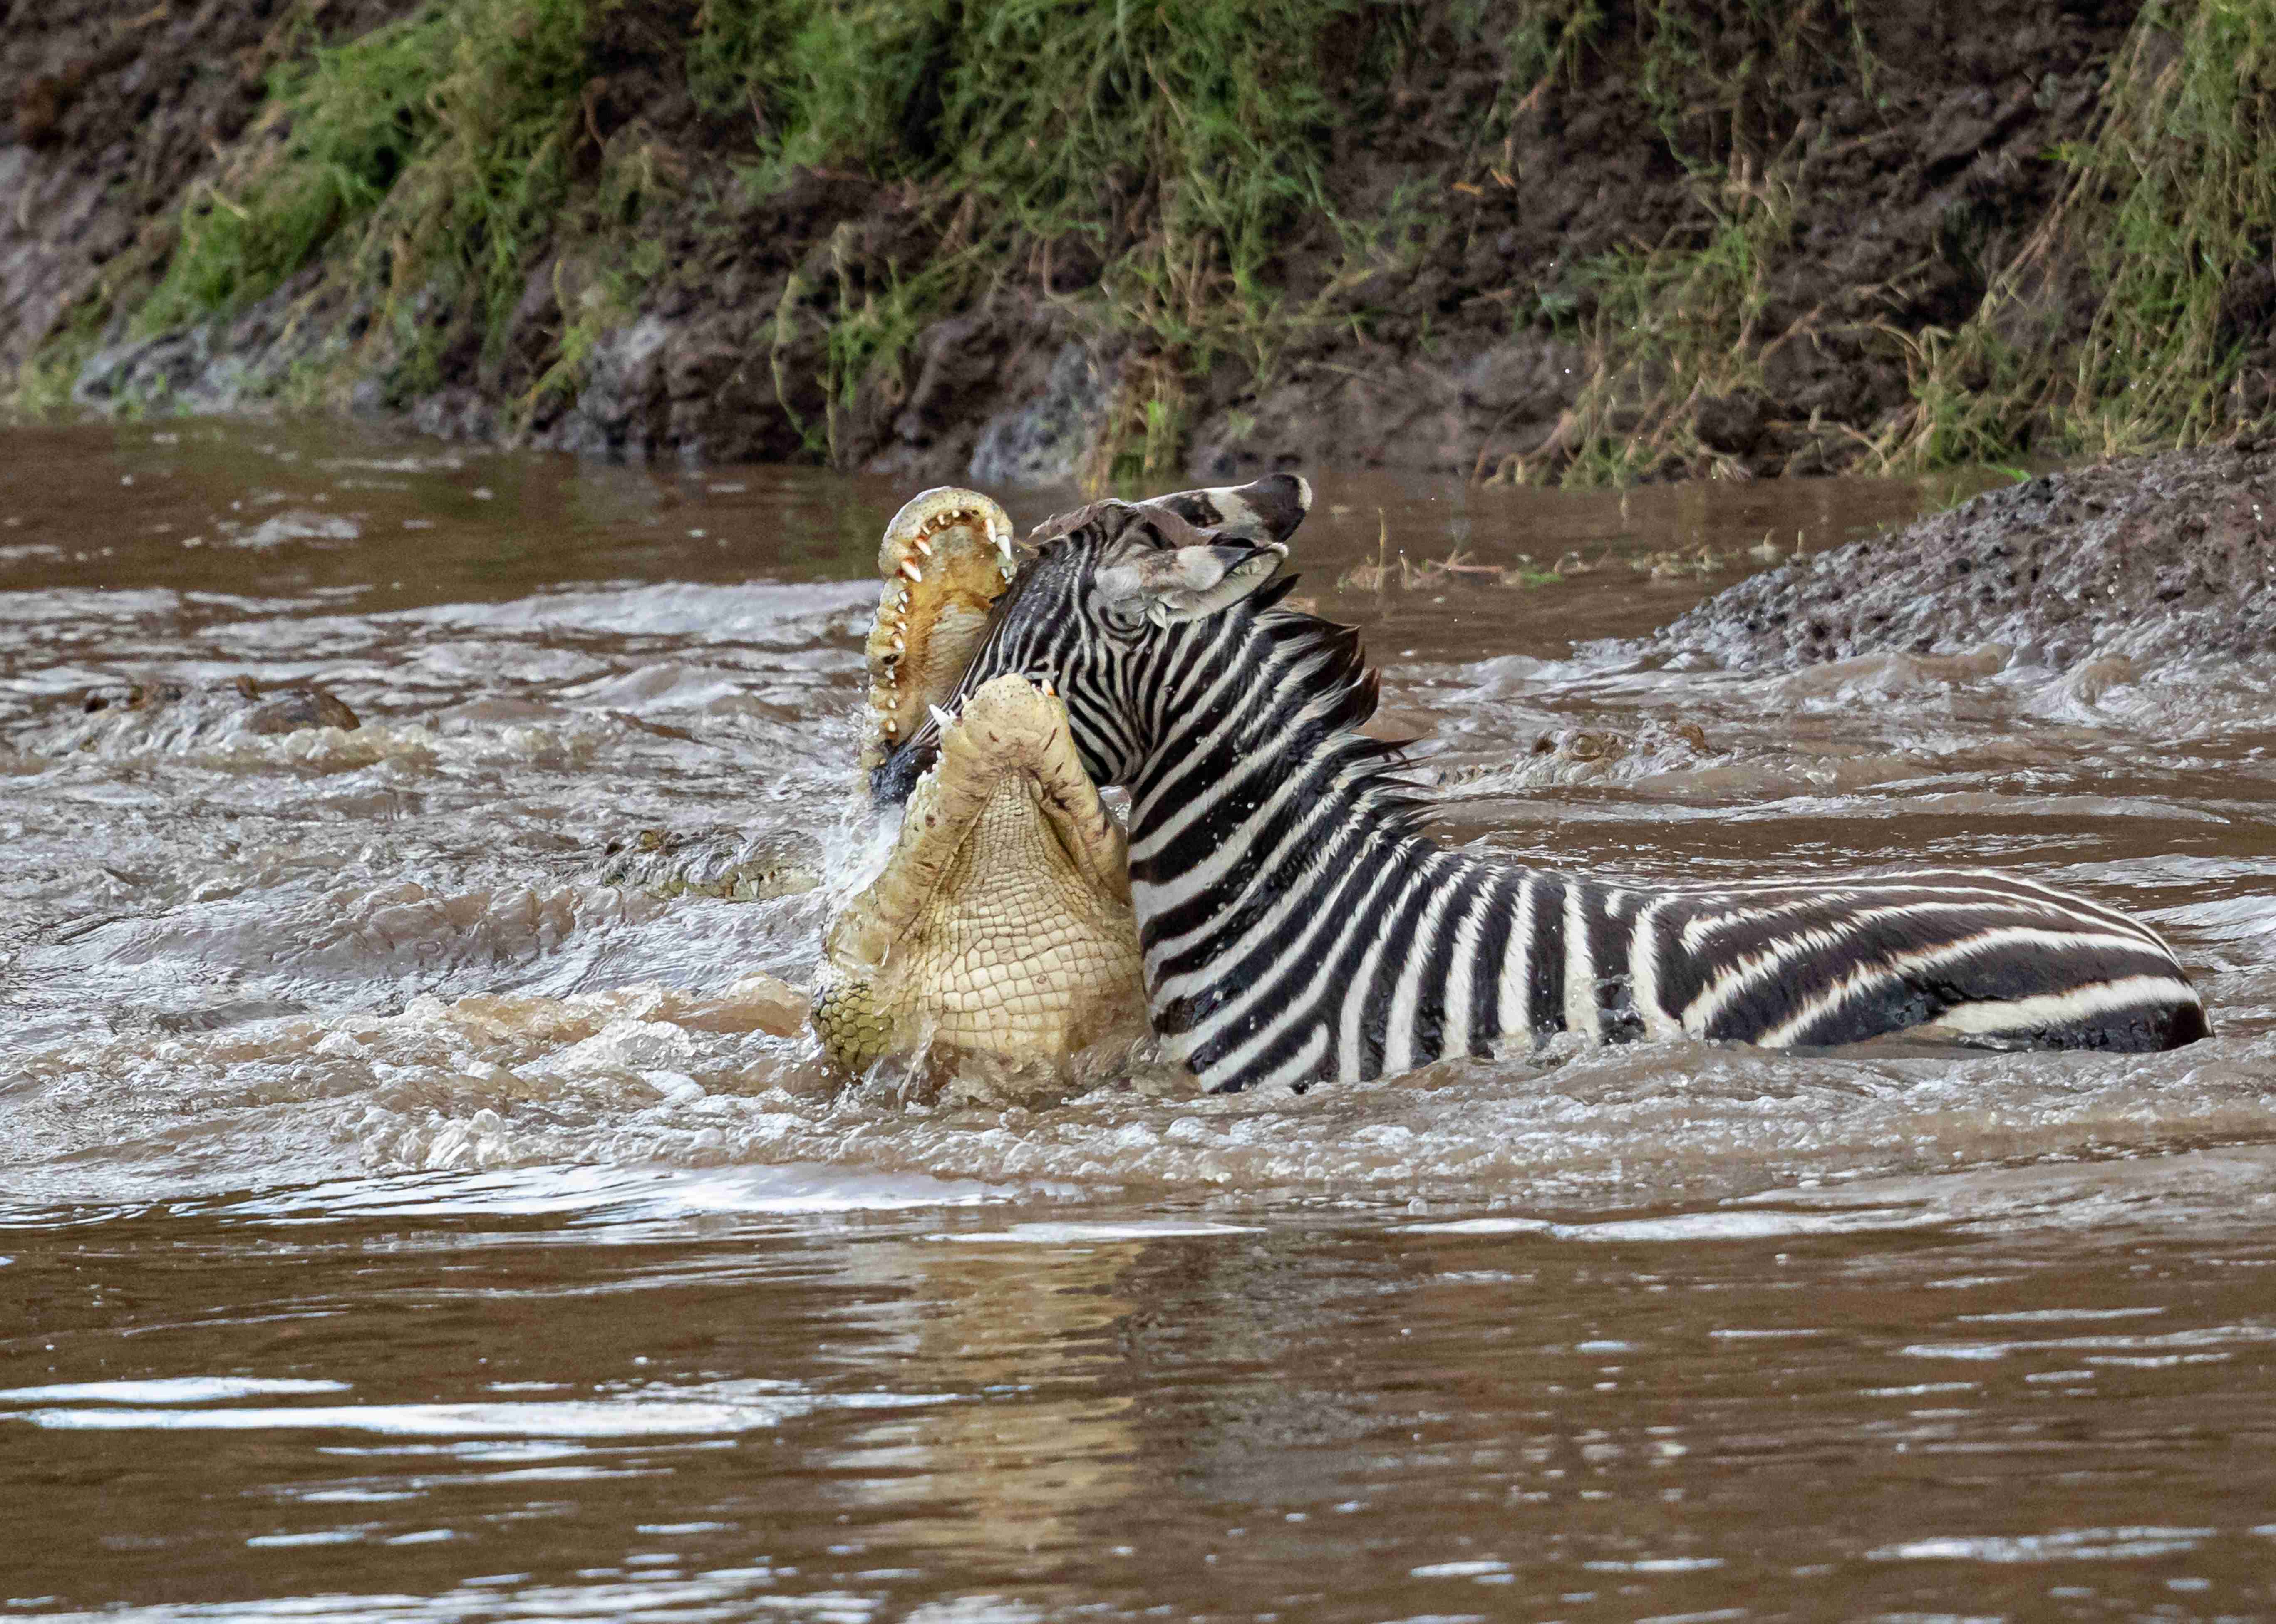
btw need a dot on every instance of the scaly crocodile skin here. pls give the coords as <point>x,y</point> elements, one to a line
<point>945,557</point>
<point>1000,931</point>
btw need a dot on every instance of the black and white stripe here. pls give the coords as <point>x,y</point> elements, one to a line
<point>1298,926</point>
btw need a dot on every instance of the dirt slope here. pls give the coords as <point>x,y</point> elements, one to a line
<point>1817,215</point>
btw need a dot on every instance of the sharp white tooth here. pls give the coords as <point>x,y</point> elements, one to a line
<point>941,719</point>
<point>910,568</point>
<point>900,644</point>
<point>924,546</point>
<point>892,727</point>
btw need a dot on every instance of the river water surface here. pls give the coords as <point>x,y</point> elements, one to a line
<point>397,1221</point>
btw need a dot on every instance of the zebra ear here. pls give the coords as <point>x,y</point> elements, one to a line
<point>1167,585</point>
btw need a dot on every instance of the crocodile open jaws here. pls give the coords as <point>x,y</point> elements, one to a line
<point>998,939</point>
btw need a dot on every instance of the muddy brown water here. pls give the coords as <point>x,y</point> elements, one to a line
<point>372,1247</point>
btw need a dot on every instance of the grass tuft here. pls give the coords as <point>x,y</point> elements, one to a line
<point>2169,216</point>
<point>337,134</point>
<point>2186,160</point>
<point>1672,327</point>
<point>427,158</point>
<point>1178,144</point>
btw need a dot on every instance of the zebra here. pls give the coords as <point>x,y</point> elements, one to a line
<point>1298,925</point>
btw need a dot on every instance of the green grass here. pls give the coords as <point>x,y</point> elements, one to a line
<point>2170,203</point>
<point>846,86</point>
<point>338,134</point>
<point>1667,325</point>
<point>1672,326</point>
<point>426,160</point>
<point>2186,154</point>
<point>2171,200</point>
<point>1179,142</point>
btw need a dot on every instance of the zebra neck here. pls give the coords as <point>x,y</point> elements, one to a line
<point>1254,774</point>
<point>1269,851</point>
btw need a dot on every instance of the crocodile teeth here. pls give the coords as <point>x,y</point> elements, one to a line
<point>912,569</point>
<point>941,719</point>
<point>892,727</point>
<point>923,546</point>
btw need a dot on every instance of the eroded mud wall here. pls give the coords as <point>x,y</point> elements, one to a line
<point>1005,241</point>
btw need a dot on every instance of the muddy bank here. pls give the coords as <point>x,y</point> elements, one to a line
<point>1530,242</point>
<point>2139,562</point>
<point>112,118</point>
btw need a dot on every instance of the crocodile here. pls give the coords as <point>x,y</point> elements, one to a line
<point>158,713</point>
<point>998,939</point>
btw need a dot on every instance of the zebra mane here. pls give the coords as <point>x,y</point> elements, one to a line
<point>1326,656</point>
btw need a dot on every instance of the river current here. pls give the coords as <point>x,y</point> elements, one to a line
<point>402,1216</point>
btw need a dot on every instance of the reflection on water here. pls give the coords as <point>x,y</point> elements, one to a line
<point>403,1215</point>
<point>1348,1417</point>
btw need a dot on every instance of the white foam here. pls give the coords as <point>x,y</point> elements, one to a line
<point>740,1593</point>
<point>707,1410</point>
<point>1053,1234</point>
<point>2065,1545</point>
<point>2188,1342</point>
<point>2023,1317</point>
<point>1687,1226</point>
<point>297,525</point>
<point>767,613</point>
<point>168,1390</point>
<point>616,1195</point>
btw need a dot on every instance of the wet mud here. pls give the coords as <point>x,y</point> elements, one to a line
<point>2099,571</point>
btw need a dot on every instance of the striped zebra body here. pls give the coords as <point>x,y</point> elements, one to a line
<point>1459,956</point>
<point>1299,926</point>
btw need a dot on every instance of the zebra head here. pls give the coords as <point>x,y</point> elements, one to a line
<point>1107,594</point>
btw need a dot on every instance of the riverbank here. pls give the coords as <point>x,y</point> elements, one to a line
<point>1552,242</point>
<point>2105,572</point>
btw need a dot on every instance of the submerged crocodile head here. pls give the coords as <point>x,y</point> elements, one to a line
<point>999,935</point>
